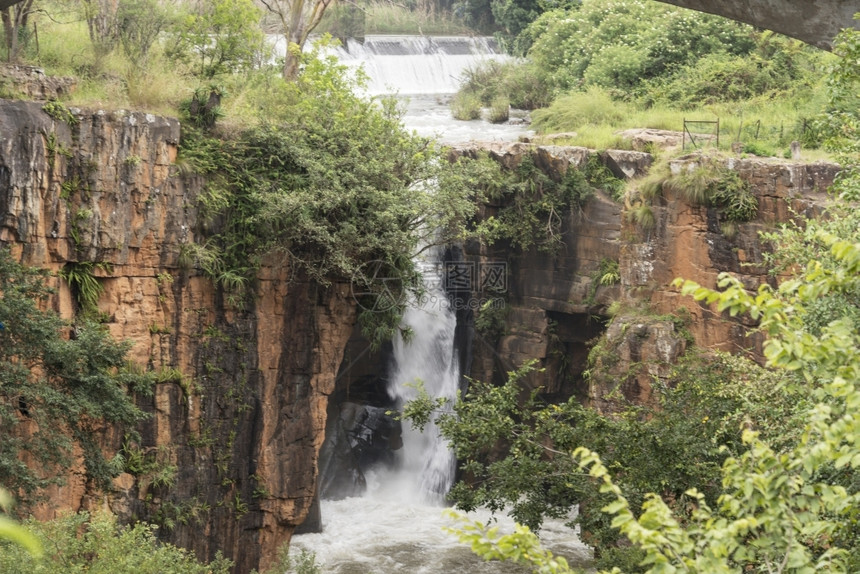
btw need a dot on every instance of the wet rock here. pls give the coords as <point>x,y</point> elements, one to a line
<point>360,438</point>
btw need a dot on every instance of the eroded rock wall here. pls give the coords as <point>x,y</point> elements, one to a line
<point>242,407</point>
<point>556,309</point>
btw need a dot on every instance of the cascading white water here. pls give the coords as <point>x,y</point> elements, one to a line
<point>409,65</point>
<point>398,527</point>
<point>426,71</point>
<point>426,467</point>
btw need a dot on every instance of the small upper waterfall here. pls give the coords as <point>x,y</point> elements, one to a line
<point>409,65</point>
<point>427,465</point>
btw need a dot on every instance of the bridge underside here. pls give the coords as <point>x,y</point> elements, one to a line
<point>815,22</point>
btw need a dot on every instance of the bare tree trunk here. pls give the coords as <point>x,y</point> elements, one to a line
<point>9,32</point>
<point>102,26</point>
<point>295,42</point>
<point>298,20</point>
<point>14,20</point>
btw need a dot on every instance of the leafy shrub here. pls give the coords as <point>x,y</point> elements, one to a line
<point>573,111</point>
<point>533,206</point>
<point>775,68</point>
<point>66,387</point>
<point>666,449</point>
<point>490,319</point>
<point>96,544</point>
<point>759,149</point>
<point>519,81</point>
<point>712,183</point>
<point>466,106</point>
<point>500,110</point>
<point>601,177</point>
<point>331,180</point>
<point>621,44</point>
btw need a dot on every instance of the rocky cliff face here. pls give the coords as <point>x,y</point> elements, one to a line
<point>228,459</point>
<point>557,307</point>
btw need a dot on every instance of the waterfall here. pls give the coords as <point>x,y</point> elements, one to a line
<point>412,65</point>
<point>426,467</point>
<point>409,65</point>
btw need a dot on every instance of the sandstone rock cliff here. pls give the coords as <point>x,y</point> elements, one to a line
<point>557,311</point>
<point>242,408</point>
<point>241,412</point>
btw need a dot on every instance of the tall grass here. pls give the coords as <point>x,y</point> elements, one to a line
<point>765,125</point>
<point>65,49</point>
<point>390,18</point>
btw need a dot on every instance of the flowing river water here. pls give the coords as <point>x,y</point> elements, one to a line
<point>398,526</point>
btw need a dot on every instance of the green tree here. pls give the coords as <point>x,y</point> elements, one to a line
<point>219,37</point>
<point>298,18</point>
<point>620,44</point>
<point>57,385</point>
<point>15,18</point>
<point>139,23</point>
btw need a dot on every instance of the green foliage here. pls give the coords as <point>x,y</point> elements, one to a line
<point>139,23</point>
<point>98,545</point>
<point>778,506</point>
<point>642,215</point>
<point>499,111</point>
<point>83,284</point>
<point>380,17</point>
<point>756,148</point>
<point>490,319</point>
<point>67,387</point>
<point>13,532</point>
<point>304,563</point>
<point>574,111</point>
<point>518,81</point>
<point>466,106</point>
<point>203,108</point>
<point>521,547</point>
<point>601,177</point>
<point>665,448</point>
<point>839,125</point>
<point>618,45</point>
<point>711,183</point>
<point>344,21</point>
<point>778,67</point>
<point>332,182</point>
<point>608,273</point>
<point>532,206</point>
<point>619,65</point>
<point>153,467</point>
<point>59,112</point>
<point>513,16</point>
<point>219,37</point>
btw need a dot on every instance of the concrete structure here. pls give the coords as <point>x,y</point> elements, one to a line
<point>815,22</point>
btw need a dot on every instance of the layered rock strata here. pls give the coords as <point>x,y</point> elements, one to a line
<point>241,410</point>
<point>557,306</point>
